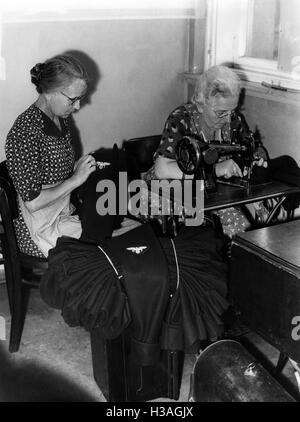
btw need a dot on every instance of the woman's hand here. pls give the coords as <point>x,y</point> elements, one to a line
<point>260,161</point>
<point>260,157</point>
<point>227,169</point>
<point>51,193</point>
<point>83,168</point>
<point>127,224</point>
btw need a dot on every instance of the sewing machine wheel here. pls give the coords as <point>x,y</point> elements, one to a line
<point>188,155</point>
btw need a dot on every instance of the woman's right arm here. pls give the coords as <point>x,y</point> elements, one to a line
<point>176,126</point>
<point>227,169</point>
<point>49,195</point>
<point>167,168</point>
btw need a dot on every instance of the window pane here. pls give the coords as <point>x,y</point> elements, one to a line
<point>263,29</point>
<point>289,50</point>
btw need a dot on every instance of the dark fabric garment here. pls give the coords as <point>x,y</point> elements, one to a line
<point>147,287</point>
<point>82,283</point>
<point>284,169</point>
<point>196,309</point>
<point>95,226</point>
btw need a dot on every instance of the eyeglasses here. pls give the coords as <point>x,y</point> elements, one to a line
<point>223,113</point>
<point>73,100</point>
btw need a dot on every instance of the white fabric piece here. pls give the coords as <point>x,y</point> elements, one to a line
<point>48,224</point>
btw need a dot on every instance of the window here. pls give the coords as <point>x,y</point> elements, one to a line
<point>263,32</point>
<point>260,38</point>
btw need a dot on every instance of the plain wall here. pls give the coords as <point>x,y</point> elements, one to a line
<point>278,124</point>
<point>139,61</point>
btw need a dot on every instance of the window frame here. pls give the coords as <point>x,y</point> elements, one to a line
<point>233,40</point>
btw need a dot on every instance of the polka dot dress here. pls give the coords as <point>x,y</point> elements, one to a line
<point>37,154</point>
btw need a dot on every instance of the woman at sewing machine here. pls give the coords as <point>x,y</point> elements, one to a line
<point>208,115</point>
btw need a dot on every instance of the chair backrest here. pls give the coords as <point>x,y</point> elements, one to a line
<point>15,261</point>
<point>9,247</point>
<point>8,211</point>
<point>7,184</point>
<point>18,273</point>
<point>139,154</point>
<point>9,244</point>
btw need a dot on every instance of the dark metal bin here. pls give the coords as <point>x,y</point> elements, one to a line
<point>226,372</point>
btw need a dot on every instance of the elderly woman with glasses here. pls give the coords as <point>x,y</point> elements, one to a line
<point>208,115</point>
<point>41,160</point>
<point>196,259</point>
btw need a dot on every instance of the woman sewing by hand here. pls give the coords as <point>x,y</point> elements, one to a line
<point>40,157</point>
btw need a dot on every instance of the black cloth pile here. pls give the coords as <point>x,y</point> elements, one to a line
<point>118,283</point>
<point>196,310</point>
<point>83,283</point>
<point>284,169</point>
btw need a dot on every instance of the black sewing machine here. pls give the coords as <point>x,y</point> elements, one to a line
<point>195,156</point>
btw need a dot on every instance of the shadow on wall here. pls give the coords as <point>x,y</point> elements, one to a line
<point>24,381</point>
<point>243,77</point>
<point>94,75</point>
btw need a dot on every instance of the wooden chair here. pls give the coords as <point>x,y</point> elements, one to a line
<point>22,272</point>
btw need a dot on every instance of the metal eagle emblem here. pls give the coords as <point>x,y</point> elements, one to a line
<point>102,164</point>
<point>137,249</point>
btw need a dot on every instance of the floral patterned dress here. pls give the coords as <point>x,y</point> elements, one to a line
<point>185,120</point>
